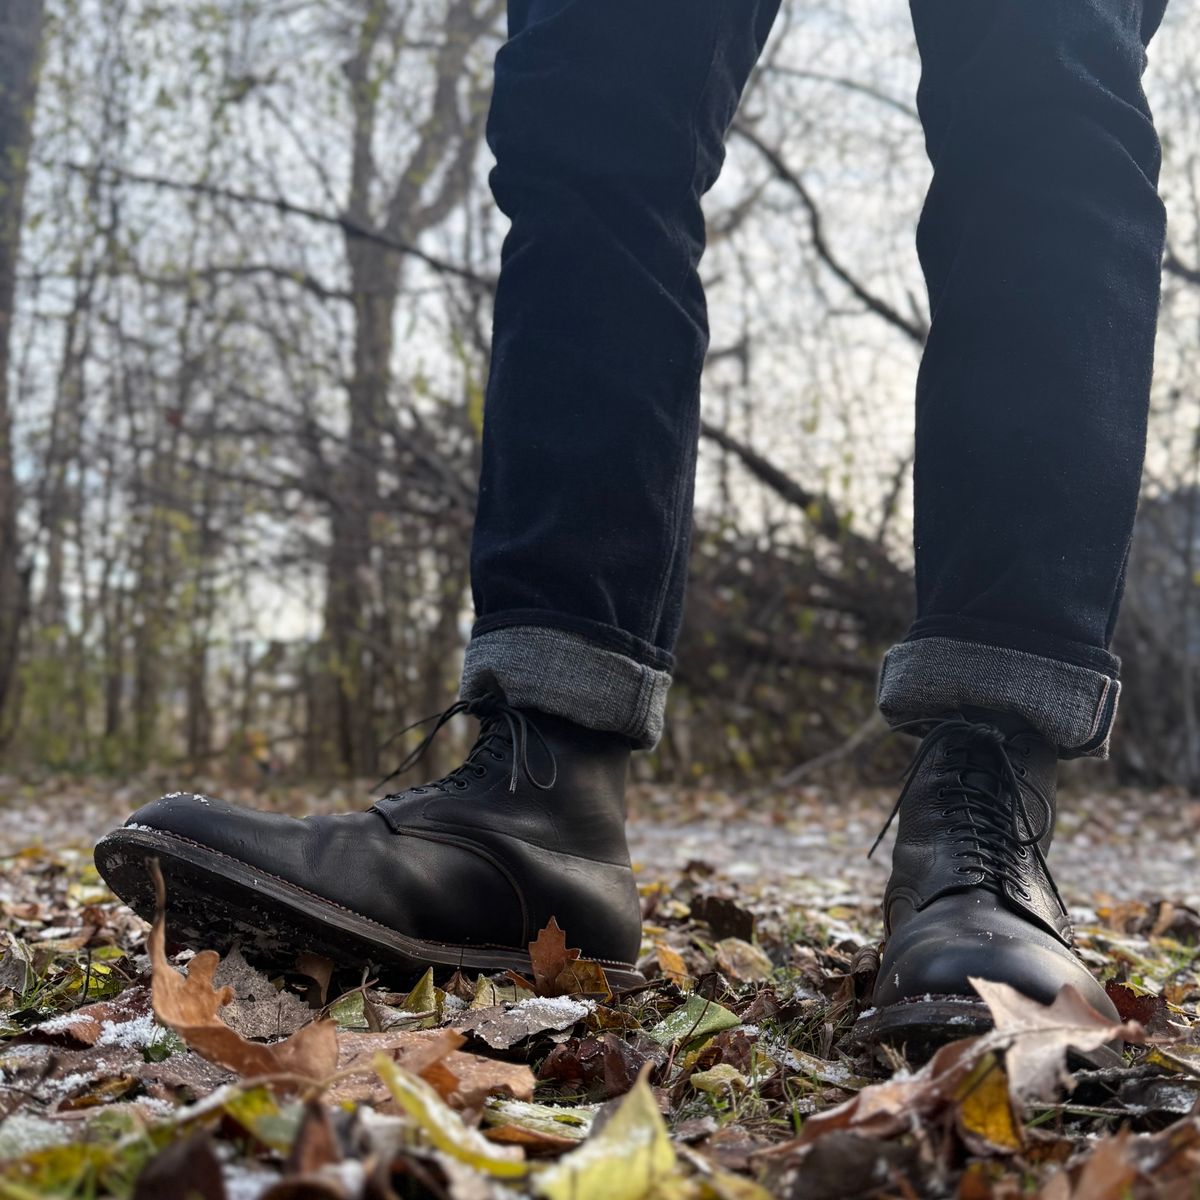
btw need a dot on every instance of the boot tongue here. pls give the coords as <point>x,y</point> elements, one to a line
<point>1010,724</point>
<point>986,776</point>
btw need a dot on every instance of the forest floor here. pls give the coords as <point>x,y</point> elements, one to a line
<point>735,1074</point>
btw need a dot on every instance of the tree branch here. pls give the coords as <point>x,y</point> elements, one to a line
<point>915,331</point>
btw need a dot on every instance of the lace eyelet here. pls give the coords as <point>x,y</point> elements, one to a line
<point>418,791</point>
<point>480,770</point>
<point>460,785</point>
<point>1023,851</point>
<point>497,757</point>
<point>941,793</point>
<point>1022,772</point>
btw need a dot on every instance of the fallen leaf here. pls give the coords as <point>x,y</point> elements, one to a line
<point>1042,1033</point>
<point>549,956</point>
<point>504,1025</point>
<point>558,971</point>
<point>444,1128</point>
<point>1133,1005</point>
<point>1107,1174</point>
<point>607,1065</point>
<point>349,1011</point>
<point>258,1009</point>
<point>626,1157</point>
<point>422,1002</point>
<point>319,969</point>
<point>721,1080</point>
<point>539,1126</point>
<point>670,963</point>
<point>315,1145</point>
<point>891,1107</point>
<point>109,1022</point>
<point>186,1168</point>
<point>461,1079</point>
<point>696,1018</point>
<point>190,1006</point>
<point>742,961</point>
<point>725,916</point>
<point>583,978</point>
<point>488,993</point>
<point>985,1116</point>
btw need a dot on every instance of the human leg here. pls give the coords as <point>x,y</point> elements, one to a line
<point>1041,241</point>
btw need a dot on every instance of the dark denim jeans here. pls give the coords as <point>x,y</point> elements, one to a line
<point>1041,241</point>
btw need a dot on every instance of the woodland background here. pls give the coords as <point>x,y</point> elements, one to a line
<point>247,252</point>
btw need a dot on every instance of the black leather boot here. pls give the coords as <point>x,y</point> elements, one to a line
<point>970,893</point>
<point>459,873</point>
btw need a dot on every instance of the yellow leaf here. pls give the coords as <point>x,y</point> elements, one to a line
<point>423,999</point>
<point>444,1127</point>
<point>671,963</point>
<point>720,1080</point>
<point>625,1160</point>
<point>985,1111</point>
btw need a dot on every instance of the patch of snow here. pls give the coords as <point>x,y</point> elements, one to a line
<point>134,1034</point>
<point>247,1183</point>
<point>64,1023</point>
<point>553,1009</point>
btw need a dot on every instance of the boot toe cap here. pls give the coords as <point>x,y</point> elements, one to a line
<point>937,951</point>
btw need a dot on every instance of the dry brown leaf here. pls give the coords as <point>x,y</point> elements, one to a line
<point>583,978</point>
<point>1107,1173</point>
<point>87,1025</point>
<point>549,957</point>
<point>743,961</point>
<point>190,1005</point>
<point>888,1108</point>
<point>183,1168</point>
<point>1042,1033</point>
<point>315,1145</point>
<point>462,1080</point>
<point>319,969</point>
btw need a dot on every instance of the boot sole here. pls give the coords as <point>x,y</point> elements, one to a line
<point>921,1027</point>
<point>214,900</point>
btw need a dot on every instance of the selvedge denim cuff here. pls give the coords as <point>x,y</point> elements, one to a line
<point>1071,706</point>
<point>565,674</point>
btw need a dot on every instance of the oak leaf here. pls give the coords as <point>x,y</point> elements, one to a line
<point>1041,1034</point>
<point>190,1005</point>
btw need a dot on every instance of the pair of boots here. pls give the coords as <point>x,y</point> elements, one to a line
<point>462,872</point>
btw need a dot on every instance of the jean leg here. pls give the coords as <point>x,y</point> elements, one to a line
<point>1041,240</point>
<point>607,123</point>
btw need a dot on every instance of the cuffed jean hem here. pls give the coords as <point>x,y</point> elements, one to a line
<point>567,675</point>
<point>1071,706</point>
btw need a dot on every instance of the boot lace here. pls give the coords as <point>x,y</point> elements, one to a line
<point>995,828</point>
<point>501,725</point>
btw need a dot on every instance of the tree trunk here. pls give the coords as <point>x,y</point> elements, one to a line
<point>21,24</point>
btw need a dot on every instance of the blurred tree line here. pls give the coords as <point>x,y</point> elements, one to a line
<point>247,252</point>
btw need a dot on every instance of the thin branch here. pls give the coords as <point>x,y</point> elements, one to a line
<point>915,331</point>
<point>349,226</point>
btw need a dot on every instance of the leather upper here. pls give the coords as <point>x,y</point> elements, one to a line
<point>947,834</point>
<point>970,893</point>
<point>468,860</point>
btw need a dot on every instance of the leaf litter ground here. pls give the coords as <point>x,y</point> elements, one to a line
<point>133,1068</point>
